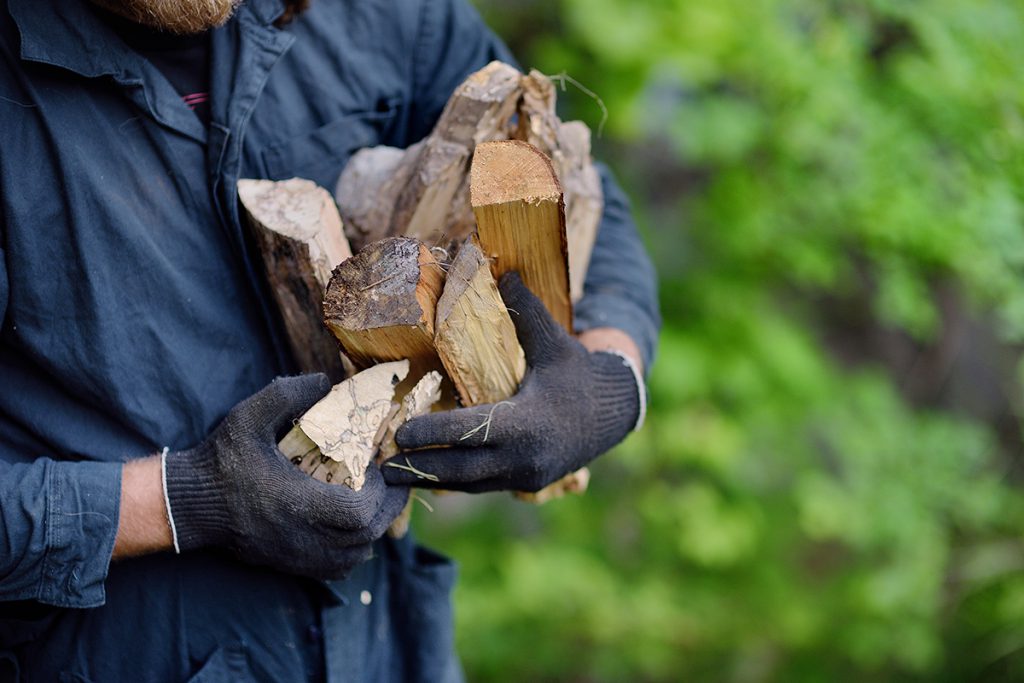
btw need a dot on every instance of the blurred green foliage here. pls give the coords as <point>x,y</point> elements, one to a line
<point>828,485</point>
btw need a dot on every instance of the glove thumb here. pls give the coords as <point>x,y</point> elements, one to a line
<point>539,334</point>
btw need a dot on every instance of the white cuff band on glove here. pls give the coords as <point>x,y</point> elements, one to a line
<point>167,500</point>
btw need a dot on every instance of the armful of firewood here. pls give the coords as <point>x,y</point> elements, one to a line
<point>572,406</point>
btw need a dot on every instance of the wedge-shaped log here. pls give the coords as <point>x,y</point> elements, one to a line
<point>474,335</point>
<point>520,218</point>
<point>423,191</point>
<point>381,303</point>
<point>299,235</point>
<point>336,439</point>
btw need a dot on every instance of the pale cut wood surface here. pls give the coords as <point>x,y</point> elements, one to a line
<point>336,439</point>
<point>299,234</point>
<point>368,190</point>
<point>520,219</point>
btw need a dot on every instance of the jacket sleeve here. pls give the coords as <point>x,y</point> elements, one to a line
<point>58,520</point>
<point>451,43</point>
<point>620,289</point>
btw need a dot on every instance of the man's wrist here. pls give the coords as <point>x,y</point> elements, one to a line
<point>142,526</point>
<point>611,338</point>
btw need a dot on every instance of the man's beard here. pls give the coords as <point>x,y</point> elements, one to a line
<point>174,16</point>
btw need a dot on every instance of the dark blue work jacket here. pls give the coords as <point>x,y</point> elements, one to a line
<point>133,317</point>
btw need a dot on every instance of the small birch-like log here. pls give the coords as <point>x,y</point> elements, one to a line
<point>419,401</point>
<point>299,235</point>
<point>568,146</point>
<point>381,303</point>
<point>474,335</point>
<point>336,439</point>
<point>520,217</point>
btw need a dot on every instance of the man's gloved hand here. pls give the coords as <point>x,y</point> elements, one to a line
<point>236,490</point>
<point>572,406</point>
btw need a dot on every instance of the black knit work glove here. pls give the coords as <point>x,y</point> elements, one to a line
<point>236,490</point>
<point>572,406</point>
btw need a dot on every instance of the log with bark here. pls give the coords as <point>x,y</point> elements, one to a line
<point>380,304</point>
<point>299,234</point>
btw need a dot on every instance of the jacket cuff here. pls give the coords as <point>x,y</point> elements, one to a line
<point>83,502</point>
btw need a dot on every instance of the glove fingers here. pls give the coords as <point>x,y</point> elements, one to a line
<point>442,468</point>
<point>285,399</point>
<point>476,426</point>
<point>539,334</point>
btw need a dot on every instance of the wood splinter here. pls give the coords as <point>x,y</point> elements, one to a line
<point>419,401</point>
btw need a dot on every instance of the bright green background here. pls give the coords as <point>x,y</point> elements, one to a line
<point>828,485</point>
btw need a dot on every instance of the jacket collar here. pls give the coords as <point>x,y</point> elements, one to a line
<point>70,35</point>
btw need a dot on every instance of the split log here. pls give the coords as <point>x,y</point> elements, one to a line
<point>477,343</point>
<point>474,336</point>
<point>521,225</point>
<point>381,303</point>
<point>520,217</point>
<point>336,439</point>
<point>568,146</point>
<point>422,192</point>
<point>299,235</point>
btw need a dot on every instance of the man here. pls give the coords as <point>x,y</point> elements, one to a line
<point>135,323</point>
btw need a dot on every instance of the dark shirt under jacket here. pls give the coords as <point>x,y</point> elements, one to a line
<point>132,317</point>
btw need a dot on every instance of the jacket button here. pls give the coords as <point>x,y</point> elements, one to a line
<point>365,597</point>
<point>313,633</point>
